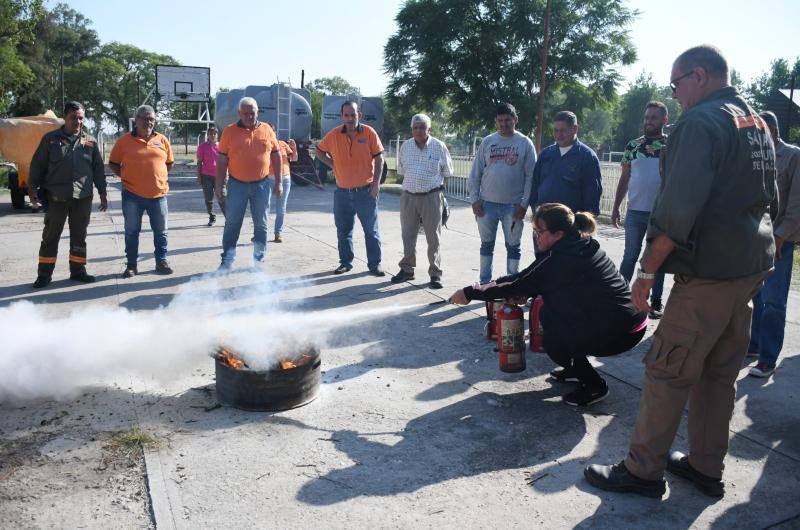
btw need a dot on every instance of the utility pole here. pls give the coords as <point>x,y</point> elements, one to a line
<point>789,112</point>
<point>543,77</point>
<point>63,93</point>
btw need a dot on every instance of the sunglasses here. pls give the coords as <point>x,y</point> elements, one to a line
<point>675,82</point>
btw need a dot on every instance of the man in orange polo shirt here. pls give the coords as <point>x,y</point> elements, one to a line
<point>248,153</point>
<point>142,159</point>
<point>355,154</point>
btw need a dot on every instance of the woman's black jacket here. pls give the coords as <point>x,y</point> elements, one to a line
<point>585,298</point>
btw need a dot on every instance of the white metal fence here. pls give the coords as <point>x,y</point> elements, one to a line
<point>457,187</point>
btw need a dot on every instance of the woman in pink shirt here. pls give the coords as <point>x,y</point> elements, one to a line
<point>207,172</point>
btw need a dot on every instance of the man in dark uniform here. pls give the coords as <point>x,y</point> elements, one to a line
<point>710,227</point>
<point>66,165</point>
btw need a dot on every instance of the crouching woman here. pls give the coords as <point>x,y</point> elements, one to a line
<point>587,304</point>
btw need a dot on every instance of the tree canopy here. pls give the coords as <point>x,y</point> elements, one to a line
<point>18,19</point>
<point>476,53</point>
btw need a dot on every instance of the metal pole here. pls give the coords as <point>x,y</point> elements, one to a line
<point>63,93</point>
<point>789,112</point>
<point>302,78</point>
<point>186,133</point>
<point>543,78</point>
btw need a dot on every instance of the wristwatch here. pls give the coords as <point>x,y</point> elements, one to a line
<point>641,275</point>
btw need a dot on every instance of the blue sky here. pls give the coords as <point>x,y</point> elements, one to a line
<point>250,42</point>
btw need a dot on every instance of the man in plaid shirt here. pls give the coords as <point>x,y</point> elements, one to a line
<point>425,164</point>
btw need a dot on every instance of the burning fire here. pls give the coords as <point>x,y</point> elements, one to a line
<point>227,356</point>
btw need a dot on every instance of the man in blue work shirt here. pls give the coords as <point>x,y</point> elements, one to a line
<point>567,171</point>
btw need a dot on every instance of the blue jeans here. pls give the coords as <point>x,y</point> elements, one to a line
<point>347,204</point>
<point>635,231</point>
<point>487,228</point>
<point>769,310</point>
<point>280,204</point>
<point>133,207</point>
<point>239,195</point>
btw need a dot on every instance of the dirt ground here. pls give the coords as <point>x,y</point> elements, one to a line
<point>77,463</point>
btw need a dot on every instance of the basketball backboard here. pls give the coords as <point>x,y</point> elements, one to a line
<point>183,83</point>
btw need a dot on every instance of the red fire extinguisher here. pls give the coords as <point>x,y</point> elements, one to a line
<point>492,306</point>
<point>535,325</point>
<point>511,338</point>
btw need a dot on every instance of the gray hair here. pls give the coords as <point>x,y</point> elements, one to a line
<point>567,117</point>
<point>421,118</point>
<point>247,101</point>
<point>142,109</point>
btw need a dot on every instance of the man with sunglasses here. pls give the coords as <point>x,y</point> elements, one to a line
<point>710,227</point>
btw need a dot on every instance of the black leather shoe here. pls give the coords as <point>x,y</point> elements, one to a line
<point>436,283</point>
<point>130,272</point>
<point>377,271</point>
<point>41,281</point>
<point>82,277</point>
<point>402,276</point>
<point>617,478</point>
<point>678,464</point>
<point>162,267</point>
<point>341,269</point>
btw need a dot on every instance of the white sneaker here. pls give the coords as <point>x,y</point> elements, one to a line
<point>761,370</point>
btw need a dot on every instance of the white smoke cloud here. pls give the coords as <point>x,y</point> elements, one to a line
<point>45,356</point>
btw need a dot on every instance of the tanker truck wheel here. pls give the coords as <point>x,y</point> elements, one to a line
<point>17,198</point>
<point>17,193</point>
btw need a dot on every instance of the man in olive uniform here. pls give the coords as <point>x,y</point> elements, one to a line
<point>66,165</point>
<point>710,227</point>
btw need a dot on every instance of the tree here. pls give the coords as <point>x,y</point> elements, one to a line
<point>18,19</point>
<point>779,76</point>
<point>107,81</point>
<point>632,105</point>
<point>488,51</point>
<point>62,33</point>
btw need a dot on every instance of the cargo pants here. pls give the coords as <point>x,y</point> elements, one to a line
<point>59,211</point>
<point>696,356</point>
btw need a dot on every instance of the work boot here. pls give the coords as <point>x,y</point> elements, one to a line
<point>617,478</point>
<point>678,464</point>
<point>278,238</point>
<point>212,219</point>
<point>402,276</point>
<point>41,281</point>
<point>82,277</point>
<point>435,283</point>
<point>162,267</point>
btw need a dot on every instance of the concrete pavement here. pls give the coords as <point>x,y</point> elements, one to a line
<point>414,426</point>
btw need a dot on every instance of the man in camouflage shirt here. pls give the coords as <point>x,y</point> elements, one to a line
<point>640,180</point>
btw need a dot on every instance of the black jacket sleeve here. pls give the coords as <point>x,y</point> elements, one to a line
<point>529,282</point>
<point>39,165</point>
<point>98,170</point>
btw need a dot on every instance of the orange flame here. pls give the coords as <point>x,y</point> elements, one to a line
<point>228,357</point>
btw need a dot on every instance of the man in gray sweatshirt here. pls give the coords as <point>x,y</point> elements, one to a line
<point>500,188</point>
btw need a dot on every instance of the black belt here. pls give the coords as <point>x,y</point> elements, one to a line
<point>439,188</point>
<point>354,189</point>
<point>247,182</point>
